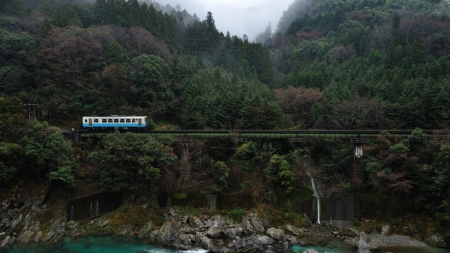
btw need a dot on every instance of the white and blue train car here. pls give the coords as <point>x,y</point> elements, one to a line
<point>114,121</point>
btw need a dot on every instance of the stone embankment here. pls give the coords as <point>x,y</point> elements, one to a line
<point>182,231</point>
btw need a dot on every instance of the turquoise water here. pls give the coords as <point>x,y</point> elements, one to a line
<point>108,244</point>
<point>105,244</point>
<point>331,247</point>
<point>337,247</point>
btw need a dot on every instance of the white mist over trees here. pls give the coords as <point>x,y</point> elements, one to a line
<point>238,17</point>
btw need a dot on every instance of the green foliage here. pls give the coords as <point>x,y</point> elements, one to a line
<point>15,41</point>
<point>47,154</point>
<point>13,7</point>
<point>247,150</point>
<point>132,162</point>
<point>222,170</point>
<point>399,148</point>
<point>236,213</point>
<point>279,171</point>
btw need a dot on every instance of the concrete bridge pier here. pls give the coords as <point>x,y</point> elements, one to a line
<point>185,160</point>
<point>358,172</point>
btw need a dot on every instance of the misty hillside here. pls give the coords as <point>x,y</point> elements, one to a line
<point>326,64</point>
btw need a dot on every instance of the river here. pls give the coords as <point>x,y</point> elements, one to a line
<point>110,244</point>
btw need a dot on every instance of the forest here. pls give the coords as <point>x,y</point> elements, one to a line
<point>329,64</point>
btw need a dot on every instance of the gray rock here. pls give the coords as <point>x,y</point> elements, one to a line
<point>72,224</point>
<point>126,231</point>
<point>37,237</point>
<point>215,231</point>
<point>186,239</point>
<point>276,234</point>
<point>2,235</point>
<point>5,241</point>
<point>143,232</point>
<point>385,230</point>
<point>203,241</point>
<point>196,222</point>
<point>56,233</point>
<point>233,232</point>
<point>36,226</point>
<point>252,224</point>
<point>292,229</point>
<point>104,223</point>
<point>265,240</point>
<point>4,224</point>
<point>167,233</point>
<point>248,244</point>
<point>11,240</point>
<point>363,245</point>
<point>311,251</point>
<point>269,250</point>
<point>291,239</point>
<point>15,221</point>
<point>25,236</point>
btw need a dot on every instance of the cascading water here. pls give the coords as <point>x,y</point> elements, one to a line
<point>316,194</point>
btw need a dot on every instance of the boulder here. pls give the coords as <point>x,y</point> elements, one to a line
<point>265,240</point>
<point>233,231</point>
<point>252,224</point>
<point>56,233</point>
<point>275,233</point>
<point>37,236</point>
<point>292,230</point>
<point>203,241</point>
<point>126,231</point>
<point>25,236</point>
<point>363,245</point>
<point>215,231</point>
<point>385,230</point>
<point>311,251</point>
<point>196,222</point>
<point>167,233</point>
<point>247,244</point>
<point>5,241</point>
<point>291,239</point>
<point>143,232</point>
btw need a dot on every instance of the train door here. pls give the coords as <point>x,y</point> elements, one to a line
<point>139,122</point>
<point>90,122</point>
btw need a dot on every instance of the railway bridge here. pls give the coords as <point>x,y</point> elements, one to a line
<point>357,137</point>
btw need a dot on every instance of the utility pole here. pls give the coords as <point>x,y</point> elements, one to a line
<point>31,111</point>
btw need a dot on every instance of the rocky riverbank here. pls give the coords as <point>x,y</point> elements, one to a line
<point>20,224</point>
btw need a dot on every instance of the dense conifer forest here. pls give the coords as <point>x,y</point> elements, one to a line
<point>328,64</point>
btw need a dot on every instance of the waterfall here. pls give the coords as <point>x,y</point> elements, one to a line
<point>316,194</point>
<point>72,214</point>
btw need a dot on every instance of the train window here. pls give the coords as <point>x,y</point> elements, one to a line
<point>109,120</point>
<point>116,120</point>
<point>133,120</point>
<point>103,120</point>
<point>128,120</point>
<point>85,121</point>
<point>122,120</point>
<point>95,120</point>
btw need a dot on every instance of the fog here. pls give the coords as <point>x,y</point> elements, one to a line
<point>239,17</point>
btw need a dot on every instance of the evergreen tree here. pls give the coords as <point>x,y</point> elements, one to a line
<point>114,53</point>
<point>418,53</point>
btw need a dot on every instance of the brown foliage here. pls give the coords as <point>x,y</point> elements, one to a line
<point>358,15</point>
<point>298,102</point>
<point>66,54</point>
<point>435,33</point>
<point>144,42</point>
<point>359,113</point>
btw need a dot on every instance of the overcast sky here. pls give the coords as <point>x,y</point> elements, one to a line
<point>239,17</point>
